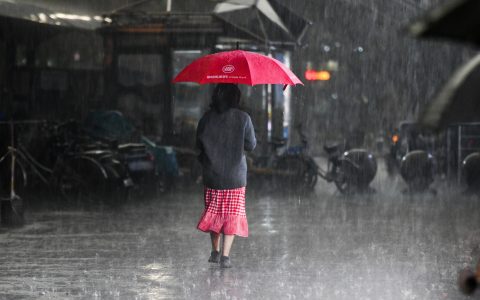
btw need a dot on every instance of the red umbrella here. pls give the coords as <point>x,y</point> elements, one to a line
<point>237,66</point>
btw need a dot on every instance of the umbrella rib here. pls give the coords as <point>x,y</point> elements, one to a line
<point>248,64</point>
<point>286,70</point>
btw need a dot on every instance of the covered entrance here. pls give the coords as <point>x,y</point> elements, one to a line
<point>149,42</point>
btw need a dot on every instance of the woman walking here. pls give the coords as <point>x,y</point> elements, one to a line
<point>224,133</point>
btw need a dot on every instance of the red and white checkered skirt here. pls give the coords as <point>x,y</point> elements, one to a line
<point>224,212</point>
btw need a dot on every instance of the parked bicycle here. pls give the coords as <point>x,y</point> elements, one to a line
<point>67,169</point>
<point>103,177</point>
<point>352,171</point>
<point>293,169</point>
<point>153,167</point>
<point>286,169</point>
<point>11,205</point>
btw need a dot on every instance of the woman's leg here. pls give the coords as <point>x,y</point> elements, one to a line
<point>227,244</point>
<point>215,237</point>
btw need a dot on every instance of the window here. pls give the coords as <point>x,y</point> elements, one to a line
<point>191,100</point>
<point>141,69</point>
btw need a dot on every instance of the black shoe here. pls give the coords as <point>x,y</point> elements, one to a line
<point>214,257</point>
<point>225,262</point>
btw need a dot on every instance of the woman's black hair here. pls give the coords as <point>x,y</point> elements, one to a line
<point>225,96</point>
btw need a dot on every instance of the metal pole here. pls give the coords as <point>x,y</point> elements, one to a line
<point>449,153</point>
<point>169,5</point>
<point>269,109</point>
<point>459,154</point>
<point>12,149</point>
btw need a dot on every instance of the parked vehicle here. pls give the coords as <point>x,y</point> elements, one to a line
<point>60,165</point>
<point>409,136</point>
<point>289,169</point>
<point>352,171</point>
<point>151,166</point>
<point>293,169</point>
<point>417,169</point>
<point>471,172</point>
<point>68,138</point>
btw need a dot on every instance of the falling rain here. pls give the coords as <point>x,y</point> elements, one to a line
<point>239,149</point>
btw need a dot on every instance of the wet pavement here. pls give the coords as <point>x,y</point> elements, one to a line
<point>386,245</point>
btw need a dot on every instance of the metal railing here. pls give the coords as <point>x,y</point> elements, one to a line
<point>457,149</point>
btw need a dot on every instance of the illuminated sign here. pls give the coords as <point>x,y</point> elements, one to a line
<point>317,75</point>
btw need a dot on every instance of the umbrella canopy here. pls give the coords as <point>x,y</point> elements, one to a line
<point>264,20</point>
<point>456,19</point>
<point>459,101</point>
<point>237,66</point>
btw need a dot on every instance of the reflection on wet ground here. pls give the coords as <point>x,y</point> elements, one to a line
<point>387,245</point>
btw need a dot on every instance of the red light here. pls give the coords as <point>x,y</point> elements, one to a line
<point>317,75</point>
<point>310,75</point>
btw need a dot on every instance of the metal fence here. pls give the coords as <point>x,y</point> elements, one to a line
<point>462,140</point>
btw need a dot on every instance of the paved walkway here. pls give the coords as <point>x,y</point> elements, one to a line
<point>382,246</point>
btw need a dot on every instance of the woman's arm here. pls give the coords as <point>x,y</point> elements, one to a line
<point>198,142</point>
<point>250,140</point>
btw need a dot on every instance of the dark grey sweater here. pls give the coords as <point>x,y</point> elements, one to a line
<point>222,140</point>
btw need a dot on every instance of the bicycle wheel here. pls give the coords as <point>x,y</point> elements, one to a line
<point>81,179</point>
<point>5,178</point>
<point>12,211</point>
<point>347,177</point>
<point>119,183</point>
<point>310,176</point>
<point>292,174</point>
<point>359,167</point>
<point>341,183</point>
